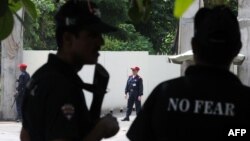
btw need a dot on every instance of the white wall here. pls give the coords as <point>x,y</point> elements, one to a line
<point>161,70</point>
<point>35,59</point>
<point>154,69</point>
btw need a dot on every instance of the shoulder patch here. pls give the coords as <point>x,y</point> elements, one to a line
<point>68,111</point>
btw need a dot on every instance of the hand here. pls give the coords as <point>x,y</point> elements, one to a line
<point>139,98</point>
<point>126,96</point>
<point>108,126</point>
<point>24,135</point>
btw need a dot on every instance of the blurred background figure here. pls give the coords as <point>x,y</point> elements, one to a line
<point>24,77</point>
<point>133,92</point>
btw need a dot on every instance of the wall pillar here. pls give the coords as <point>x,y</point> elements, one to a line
<point>244,21</point>
<point>12,48</point>
<point>186,31</point>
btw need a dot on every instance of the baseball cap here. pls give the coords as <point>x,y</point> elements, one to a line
<point>135,68</point>
<point>84,14</point>
<point>22,66</point>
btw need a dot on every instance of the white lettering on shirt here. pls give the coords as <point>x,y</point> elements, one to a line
<point>206,107</point>
<point>184,105</point>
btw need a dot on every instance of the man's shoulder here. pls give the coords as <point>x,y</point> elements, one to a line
<point>43,70</point>
<point>174,86</point>
<point>246,88</point>
<point>47,73</point>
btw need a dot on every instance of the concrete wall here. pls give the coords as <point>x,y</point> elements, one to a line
<point>186,31</point>
<point>11,56</point>
<point>244,20</point>
<point>154,69</point>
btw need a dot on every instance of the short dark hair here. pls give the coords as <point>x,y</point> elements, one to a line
<point>217,34</point>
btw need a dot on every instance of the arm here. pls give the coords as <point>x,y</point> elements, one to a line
<point>21,83</point>
<point>24,135</point>
<point>105,128</point>
<point>140,87</point>
<point>126,88</point>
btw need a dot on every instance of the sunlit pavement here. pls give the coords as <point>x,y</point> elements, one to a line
<point>9,131</point>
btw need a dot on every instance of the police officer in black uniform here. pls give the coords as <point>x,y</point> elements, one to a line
<point>54,106</point>
<point>134,89</point>
<point>209,102</point>
<point>22,81</point>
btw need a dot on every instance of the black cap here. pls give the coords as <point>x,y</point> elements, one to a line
<point>84,14</point>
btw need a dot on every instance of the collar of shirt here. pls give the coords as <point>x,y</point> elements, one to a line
<point>212,73</point>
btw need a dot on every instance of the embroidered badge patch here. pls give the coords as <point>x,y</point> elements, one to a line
<point>68,111</point>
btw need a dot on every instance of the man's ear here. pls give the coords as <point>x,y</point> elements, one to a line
<point>67,38</point>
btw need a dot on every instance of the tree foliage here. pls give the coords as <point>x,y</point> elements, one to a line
<point>134,41</point>
<point>8,9</point>
<point>157,32</point>
<point>115,12</point>
<point>39,34</point>
<point>154,32</point>
<point>161,26</point>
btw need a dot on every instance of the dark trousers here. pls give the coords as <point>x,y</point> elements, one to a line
<point>19,101</point>
<point>131,102</point>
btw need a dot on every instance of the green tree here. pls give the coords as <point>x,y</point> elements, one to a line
<point>8,9</point>
<point>39,34</point>
<point>134,41</point>
<point>155,35</point>
<point>161,26</point>
<point>158,31</point>
<point>115,12</point>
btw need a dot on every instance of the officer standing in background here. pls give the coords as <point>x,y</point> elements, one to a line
<point>24,77</point>
<point>134,92</point>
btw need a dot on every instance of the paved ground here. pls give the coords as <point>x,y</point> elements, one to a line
<point>9,131</point>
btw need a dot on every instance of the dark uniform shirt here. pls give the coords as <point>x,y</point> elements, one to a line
<point>134,86</point>
<point>54,104</point>
<point>22,81</point>
<point>205,104</point>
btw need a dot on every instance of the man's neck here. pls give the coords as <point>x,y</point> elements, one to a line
<point>68,59</point>
<point>200,63</point>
